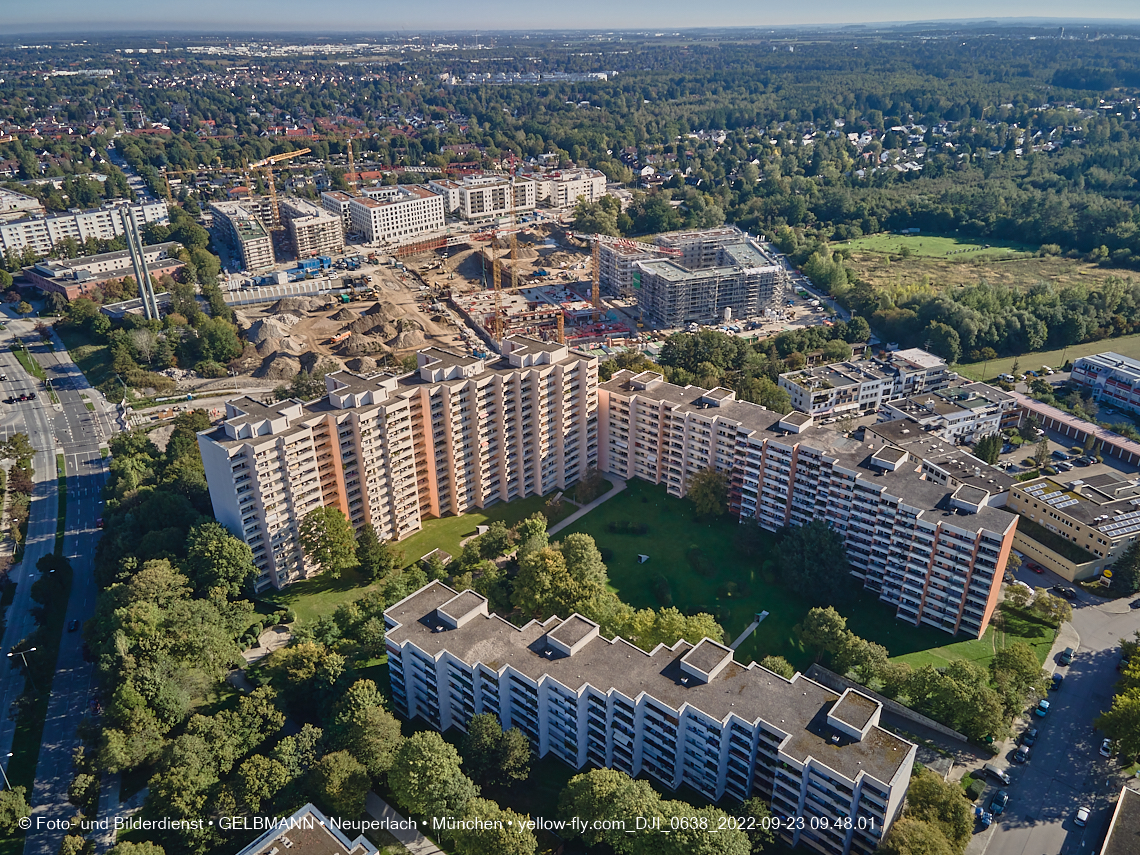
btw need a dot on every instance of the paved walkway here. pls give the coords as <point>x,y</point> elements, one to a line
<point>619,485</point>
<point>748,630</point>
<point>413,841</point>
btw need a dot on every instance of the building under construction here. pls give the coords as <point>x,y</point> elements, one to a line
<point>706,277</point>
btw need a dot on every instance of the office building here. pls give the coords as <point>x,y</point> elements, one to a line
<point>931,550</point>
<point>456,434</point>
<point>1123,836</point>
<point>686,714</point>
<point>1113,380</point>
<point>564,188</point>
<point>863,385</point>
<point>312,231</point>
<point>240,229</point>
<point>336,202</point>
<point>43,233</point>
<point>307,831</point>
<point>82,277</point>
<point>1088,522</point>
<point>413,211</point>
<point>960,412</point>
<point>708,277</point>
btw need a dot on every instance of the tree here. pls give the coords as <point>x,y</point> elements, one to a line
<point>778,665</point>
<point>1121,722</point>
<point>944,341</point>
<point>823,629</point>
<point>1126,572</point>
<point>13,807</point>
<point>216,560</point>
<point>988,448</point>
<point>915,837</point>
<point>590,486</point>
<point>492,755</point>
<point>340,783</point>
<point>1051,608</point>
<point>144,847</point>
<point>760,833</point>
<point>894,677</point>
<point>426,777</point>
<point>25,308</point>
<point>365,729</point>
<point>708,491</point>
<point>258,780</point>
<point>943,805</point>
<point>602,795</point>
<point>1041,455</point>
<point>328,540</point>
<point>375,558</point>
<point>1017,596</point>
<point>706,832</point>
<point>813,562</point>
<point>500,831</point>
<point>866,657</point>
<point>531,535</point>
<point>496,541</point>
<point>1019,663</point>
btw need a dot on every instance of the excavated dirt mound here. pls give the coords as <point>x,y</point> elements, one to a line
<point>362,365</point>
<point>298,304</point>
<point>311,359</point>
<point>377,324</point>
<point>407,339</point>
<point>273,326</point>
<point>361,344</point>
<point>388,310</point>
<point>346,315</point>
<point>278,367</point>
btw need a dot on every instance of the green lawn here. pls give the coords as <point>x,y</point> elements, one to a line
<point>1015,625</point>
<point>320,596</point>
<point>1125,345</point>
<point>934,246</point>
<point>93,358</point>
<point>29,362</point>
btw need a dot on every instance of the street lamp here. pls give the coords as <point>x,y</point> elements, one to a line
<point>23,654</point>
<point>4,773</point>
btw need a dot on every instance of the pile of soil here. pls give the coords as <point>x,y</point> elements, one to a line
<point>407,339</point>
<point>278,367</point>
<point>345,315</point>
<point>362,365</point>
<point>302,305</point>
<point>359,345</point>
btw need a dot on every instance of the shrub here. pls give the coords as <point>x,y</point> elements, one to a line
<point>974,788</point>
<point>699,563</point>
<point>662,591</point>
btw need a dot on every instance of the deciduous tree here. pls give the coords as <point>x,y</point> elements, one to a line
<point>427,779</point>
<point>708,491</point>
<point>341,783</point>
<point>328,540</point>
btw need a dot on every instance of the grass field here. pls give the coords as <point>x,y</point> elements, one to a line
<point>29,362</point>
<point>1126,345</point>
<point>934,246</point>
<point>946,262</point>
<point>93,359</point>
<point>320,596</point>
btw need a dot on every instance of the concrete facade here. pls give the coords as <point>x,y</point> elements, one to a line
<point>81,277</point>
<point>312,230</point>
<point>864,385</point>
<point>1113,379</point>
<point>241,230</point>
<point>414,211</point>
<point>43,233</point>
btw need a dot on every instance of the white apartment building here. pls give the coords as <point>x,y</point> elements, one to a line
<point>312,230</point>
<point>960,412</point>
<point>449,190</point>
<point>13,204</point>
<point>458,433</point>
<point>489,197</point>
<point>241,230</point>
<point>686,714</point>
<point>336,202</point>
<point>43,233</point>
<point>1113,379</point>
<point>863,385</point>
<point>415,211</point>
<point>563,188</point>
<point>934,551</point>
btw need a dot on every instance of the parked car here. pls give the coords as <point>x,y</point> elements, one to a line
<point>1135,604</point>
<point>1106,748</point>
<point>1021,755</point>
<point>1035,567</point>
<point>72,625</point>
<point>1065,466</point>
<point>1058,679</point>
<point>1067,593</point>
<point>1042,708</point>
<point>1082,817</point>
<point>1082,461</point>
<point>1029,736</point>
<point>1066,657</point>
<point>998,802</point>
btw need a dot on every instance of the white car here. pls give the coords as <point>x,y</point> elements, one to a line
<point>1082,817</point>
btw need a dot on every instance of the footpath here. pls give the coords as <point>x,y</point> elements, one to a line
<point>410,839</point>
<point>619,485</point>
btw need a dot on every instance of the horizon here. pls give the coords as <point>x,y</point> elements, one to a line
<point>293,18</point>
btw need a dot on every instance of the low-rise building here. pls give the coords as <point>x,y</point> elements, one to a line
<point>1123,836</point>
<point>241,230</point>
<point>1080,527</point>
<point>456,434</point>
<point>82,277</point>
<point>1111,378</point>
<point>687,714</point>
<point>863,385</point>
<point>14,205</point>
<point>312,230</point>
<point>307,831</point>
<point>960,412</point>
<point>931,547</point>
<point>413,211</point>
<point>41,234</point>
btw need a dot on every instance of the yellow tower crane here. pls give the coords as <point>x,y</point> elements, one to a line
<point>266,166</point>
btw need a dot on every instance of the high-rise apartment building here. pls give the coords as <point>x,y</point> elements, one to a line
<point>337,202</point>
<point>312,230</point>
<point>241,230</point>
<point>456,434</point>
<point>413,211</point>
<point>686,714</point>
<point>43,233</point>
<point>932,551</point>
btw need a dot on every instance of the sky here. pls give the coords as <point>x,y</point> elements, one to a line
<point>370,16</point>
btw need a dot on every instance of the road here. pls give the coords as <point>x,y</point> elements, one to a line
<point>78,433</point>
<point>1065,770</point>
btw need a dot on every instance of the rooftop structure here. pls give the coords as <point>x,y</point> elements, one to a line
<point>685,714</point>
<point>308,832</point>
<point>927,538</point>
<point>863,385</point>
<point>961,411</point>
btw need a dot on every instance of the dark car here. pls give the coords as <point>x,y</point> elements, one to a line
<point>1058,679</point>
<point>1029,736</point>
<point>1067,593</point>
<point>1135,604</point>
<point>1066,657</point>
<point>998,802</point>
<point>1021,755</point>
<point>1083,461</point>
<point>72,625</point>
<point>31,396</point>
<point>9,400</point>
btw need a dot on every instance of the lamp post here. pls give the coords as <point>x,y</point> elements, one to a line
<point>23,654</point>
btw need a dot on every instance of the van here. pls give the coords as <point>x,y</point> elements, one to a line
<point>996,772</point>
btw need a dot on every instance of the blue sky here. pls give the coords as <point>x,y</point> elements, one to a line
<point>385,15</point>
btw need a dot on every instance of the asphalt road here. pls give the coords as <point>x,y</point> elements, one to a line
<point>1065,771</point>
<point>78,433</point>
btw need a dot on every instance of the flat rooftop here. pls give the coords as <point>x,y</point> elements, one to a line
<point>796,707</point>
<point>1124,832</point>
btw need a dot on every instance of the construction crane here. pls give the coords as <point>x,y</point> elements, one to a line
<point>266,166</point>
<point>354,182</point>
<point>496,328</point>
